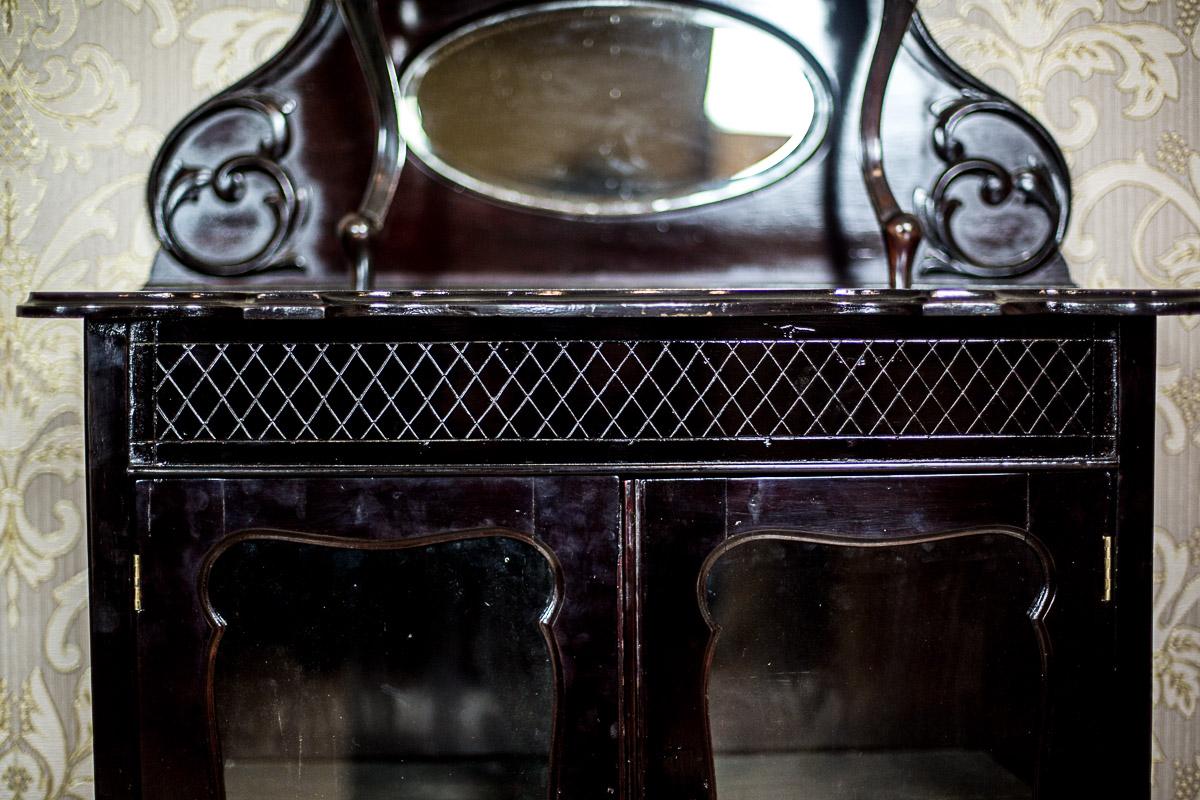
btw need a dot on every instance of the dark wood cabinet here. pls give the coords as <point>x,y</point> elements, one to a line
<point>904,636</point>
<point>378,637</point>
<point>830,545</point>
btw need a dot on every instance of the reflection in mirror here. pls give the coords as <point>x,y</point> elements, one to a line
<point>356,674</point>
<point>610,109</point>
<point>910,671</point>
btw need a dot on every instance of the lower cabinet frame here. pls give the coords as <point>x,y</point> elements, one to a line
<point>1108,705</point>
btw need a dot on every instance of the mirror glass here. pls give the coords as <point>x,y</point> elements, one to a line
<point>428,676</point>
<point>596,109</point>
<point>902,671</point>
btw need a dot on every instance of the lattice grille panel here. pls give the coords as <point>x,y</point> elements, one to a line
<point>625,390</point>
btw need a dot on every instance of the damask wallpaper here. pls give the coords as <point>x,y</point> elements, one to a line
<point>89,88</point>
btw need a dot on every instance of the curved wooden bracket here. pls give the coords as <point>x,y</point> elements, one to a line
<point>358,228</point>
<point>901,230</point>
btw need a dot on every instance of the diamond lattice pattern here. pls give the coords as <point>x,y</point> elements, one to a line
<point>623,390</point>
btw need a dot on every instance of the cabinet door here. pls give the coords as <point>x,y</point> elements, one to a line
<point>843,638</point>
<point>356,639</point>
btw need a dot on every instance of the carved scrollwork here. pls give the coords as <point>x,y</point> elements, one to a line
<point>1034,184</point>
<point>177,185</point>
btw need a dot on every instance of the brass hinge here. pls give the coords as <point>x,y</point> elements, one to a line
<point>1108,569</point>
<point>137,583</point>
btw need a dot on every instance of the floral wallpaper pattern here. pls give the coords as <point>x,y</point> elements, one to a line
<point>89,88</point>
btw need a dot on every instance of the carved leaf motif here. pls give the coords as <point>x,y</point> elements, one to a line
<point>1178,685</point>
<point>1140,52</point>
<point>1109,181</point>
<point>1182,261</point>
<point>36,760</point>
<point>20,197</point>
<point>985,49</point>
<point>39,359</point>
<point>1176,682</point>
<point>46,23</point>
<point>26,550</point>
<point>91,97</point>
<point>70,599</point>
<point>1033,23</point>
<point>164,14</point>
<point>183,185</point>
<point>1167,402</point>
<point>81,775</point>
<point>42,730</point>
<point>40,378</point>
<point>22,774</point>
<point>1030,42</point>
<point>235,40</point>
<point>92,218</point>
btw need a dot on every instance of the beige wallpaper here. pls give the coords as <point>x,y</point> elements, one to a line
<point>88,89</point>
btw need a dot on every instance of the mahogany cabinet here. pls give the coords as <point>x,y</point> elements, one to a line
<point>564,535</point>
<point>661,545</point>
<point>914,636</point>
<point>378,637</point>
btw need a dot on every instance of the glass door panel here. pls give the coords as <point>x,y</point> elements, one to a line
<point>355,671</point>
<point>847,668</point>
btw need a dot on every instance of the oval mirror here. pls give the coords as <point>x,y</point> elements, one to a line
<point>604,109</point>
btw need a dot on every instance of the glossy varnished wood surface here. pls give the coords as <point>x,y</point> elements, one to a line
<point>111,547</point>
<point>681,523</point>
<point>816,227</point>
<point>550,303</point>
<point>689,393</point>
<point>632,538</point>
<point>186,520</point>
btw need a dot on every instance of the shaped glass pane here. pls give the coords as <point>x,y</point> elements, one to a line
<point>908,671</point>
<point>363,674</point>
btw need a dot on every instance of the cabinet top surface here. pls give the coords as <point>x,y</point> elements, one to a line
<point>615,303</point>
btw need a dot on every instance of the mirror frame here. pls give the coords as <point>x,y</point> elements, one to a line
<point>799,150</point>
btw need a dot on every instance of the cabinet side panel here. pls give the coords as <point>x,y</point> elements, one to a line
<point>1134,552</point>
<point>110,499</point>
